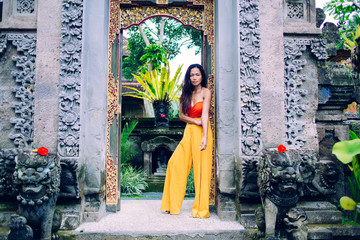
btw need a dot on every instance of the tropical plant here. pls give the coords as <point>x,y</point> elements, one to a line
<point>343,10</point>
<point>174,109</point>
<point>351,43</point>
<point>157,85</point>
<point>168,33</point>
<point>155,56</point>
<point>348,153</point>
<point>132,180</point>
<point>126,153</point>
<point>347,12</point>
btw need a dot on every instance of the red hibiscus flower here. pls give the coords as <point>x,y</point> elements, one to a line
<point>281,148</point>
<point>162,115</point>
<point>43,151</point>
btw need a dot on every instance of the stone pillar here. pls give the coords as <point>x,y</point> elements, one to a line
<point>47,72</point>
<point>227,102</point>
<point>93,107</point>
<point>272,73</point>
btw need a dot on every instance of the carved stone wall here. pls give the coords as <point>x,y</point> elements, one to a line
<point>19,14</point>
<point>301,90</point>
<point>17,56</point>
<point>69,95</point>
<point>70,79</point>
<point>250,88</point>
<point>278,81</point>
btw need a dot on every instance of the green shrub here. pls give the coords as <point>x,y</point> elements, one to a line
<point>132,180</point>
<point>126,152</point>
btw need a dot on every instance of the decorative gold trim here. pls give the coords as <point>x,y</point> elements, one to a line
<point>134,15</point>
<point>200,16</point>
<point>111,165</point>
<point>162,2</point>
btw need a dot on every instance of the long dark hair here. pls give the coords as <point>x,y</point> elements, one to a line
<point>188,88</point>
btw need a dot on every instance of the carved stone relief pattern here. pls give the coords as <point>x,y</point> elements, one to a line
<point>250,88</point>
<point>295,10</point>
<point>22,130</point>
<point>69,102</point>
<point>132,15</point>
<point>25,44</point>
<point>69,96</point>
<point>251,144</point>
<point>25,6</point>
<point>295,94</point>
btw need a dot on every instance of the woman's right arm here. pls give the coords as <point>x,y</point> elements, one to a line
<point>188,119</point>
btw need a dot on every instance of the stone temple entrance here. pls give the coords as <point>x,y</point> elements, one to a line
<point>62,74</point>
<point>124,14</point>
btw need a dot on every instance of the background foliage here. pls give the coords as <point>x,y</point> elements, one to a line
<point>168,33</point>
<point>347,13</point>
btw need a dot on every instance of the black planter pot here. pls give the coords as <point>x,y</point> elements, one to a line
<point>161,109</point>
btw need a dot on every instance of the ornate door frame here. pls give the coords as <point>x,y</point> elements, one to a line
<point>198,14</point>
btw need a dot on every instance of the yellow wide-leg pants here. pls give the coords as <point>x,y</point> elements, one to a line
<point>178,168</point>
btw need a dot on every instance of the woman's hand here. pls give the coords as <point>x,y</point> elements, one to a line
<point>203,144</point>
<point>198,122</point>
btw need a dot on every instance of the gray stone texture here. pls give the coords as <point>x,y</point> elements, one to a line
<point>47,74</point>
<point>226,102</point>
<point>272,73</point>
<point>6,96</point>
<point>226,93</point>
<point>144,220</point>
<point>93,102</point>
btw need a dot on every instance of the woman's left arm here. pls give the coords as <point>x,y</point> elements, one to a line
<point>205,118</point>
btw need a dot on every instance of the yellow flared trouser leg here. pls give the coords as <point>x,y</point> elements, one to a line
<point>188,153</point>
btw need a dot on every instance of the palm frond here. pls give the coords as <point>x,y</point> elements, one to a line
<point>157,85</point>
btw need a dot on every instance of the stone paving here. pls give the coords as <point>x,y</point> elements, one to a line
<point>144,218</point>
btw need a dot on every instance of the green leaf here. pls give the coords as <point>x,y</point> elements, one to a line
<point>347,203</point>
<point>353,135</point>
<point>157,85</point>
<point>346,150</point>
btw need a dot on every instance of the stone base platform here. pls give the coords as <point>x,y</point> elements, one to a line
<point>139,219</point>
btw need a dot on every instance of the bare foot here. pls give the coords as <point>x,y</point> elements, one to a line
<point>167,212</point>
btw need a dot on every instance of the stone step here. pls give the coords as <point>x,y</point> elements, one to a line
<point>318,212</point>
<point>144,220</point>
<point>333,231</point>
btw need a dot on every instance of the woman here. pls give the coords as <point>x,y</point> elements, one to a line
<point>194,148</point>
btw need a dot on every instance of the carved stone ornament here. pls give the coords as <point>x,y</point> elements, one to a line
<point>69,102</point>
<point>25,6</point>
<point>251,143</point>
<point>69,96</point>
<point>250,92</point>
<point>37,181</point>
<point>249,187</point>
<point>134,15</point>
<point>24,76</point>
<point>295,10</point>
<point>19,229</point>
<point>295,95</point>
<point>320,178</point>
<point>280,185</point>
<point>296,224</point>
<point>279,176</point>
<point>69,187</point>
<point>7,166</point>
<point>22,122</point>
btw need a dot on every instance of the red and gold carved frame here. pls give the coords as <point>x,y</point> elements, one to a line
<point>123,15</point>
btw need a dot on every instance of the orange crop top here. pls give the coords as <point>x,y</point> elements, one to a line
<point>196,110</point>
